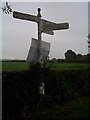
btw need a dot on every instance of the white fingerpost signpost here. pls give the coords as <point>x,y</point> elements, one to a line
<point>44,26</point>
<point>36,54</point>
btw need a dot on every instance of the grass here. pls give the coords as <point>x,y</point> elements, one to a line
<point>22,66</point>
<point>69,66</point>
<point>14,66</point>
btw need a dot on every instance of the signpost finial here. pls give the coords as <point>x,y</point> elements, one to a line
<point>39,9</point>
<point>39,15</point>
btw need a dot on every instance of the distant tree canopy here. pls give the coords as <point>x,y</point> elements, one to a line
<point>70,54</point>
<point>72,57</point>
<point>79,56</point>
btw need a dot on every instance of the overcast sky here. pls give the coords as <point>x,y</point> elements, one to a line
<point>17,34</point>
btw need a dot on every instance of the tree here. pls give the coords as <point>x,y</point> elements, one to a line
<point>79,56</point>
<point>70,55</point>
<point>54,60</point>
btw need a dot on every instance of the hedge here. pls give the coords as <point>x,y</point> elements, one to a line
<point>20,90</point>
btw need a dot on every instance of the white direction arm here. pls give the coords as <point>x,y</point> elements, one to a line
<point>25,16</point>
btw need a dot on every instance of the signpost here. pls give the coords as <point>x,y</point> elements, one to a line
<point>44,26</point>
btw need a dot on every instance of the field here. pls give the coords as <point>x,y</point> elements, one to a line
<point>14,66</point>
<point>22,66</point>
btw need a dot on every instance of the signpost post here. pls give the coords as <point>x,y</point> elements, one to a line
<point>39,35</point>
<point>44,26</point>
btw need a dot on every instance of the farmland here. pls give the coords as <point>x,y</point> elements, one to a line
<point>22,66</point>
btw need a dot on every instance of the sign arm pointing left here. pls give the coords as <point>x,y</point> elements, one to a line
<point>25,16</point>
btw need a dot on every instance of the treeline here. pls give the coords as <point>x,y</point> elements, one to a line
<point>72,57</point>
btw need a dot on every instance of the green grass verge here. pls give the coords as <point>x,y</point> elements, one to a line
<point>14,66</point>
<point>22,66</point>
<point>69,66</point>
